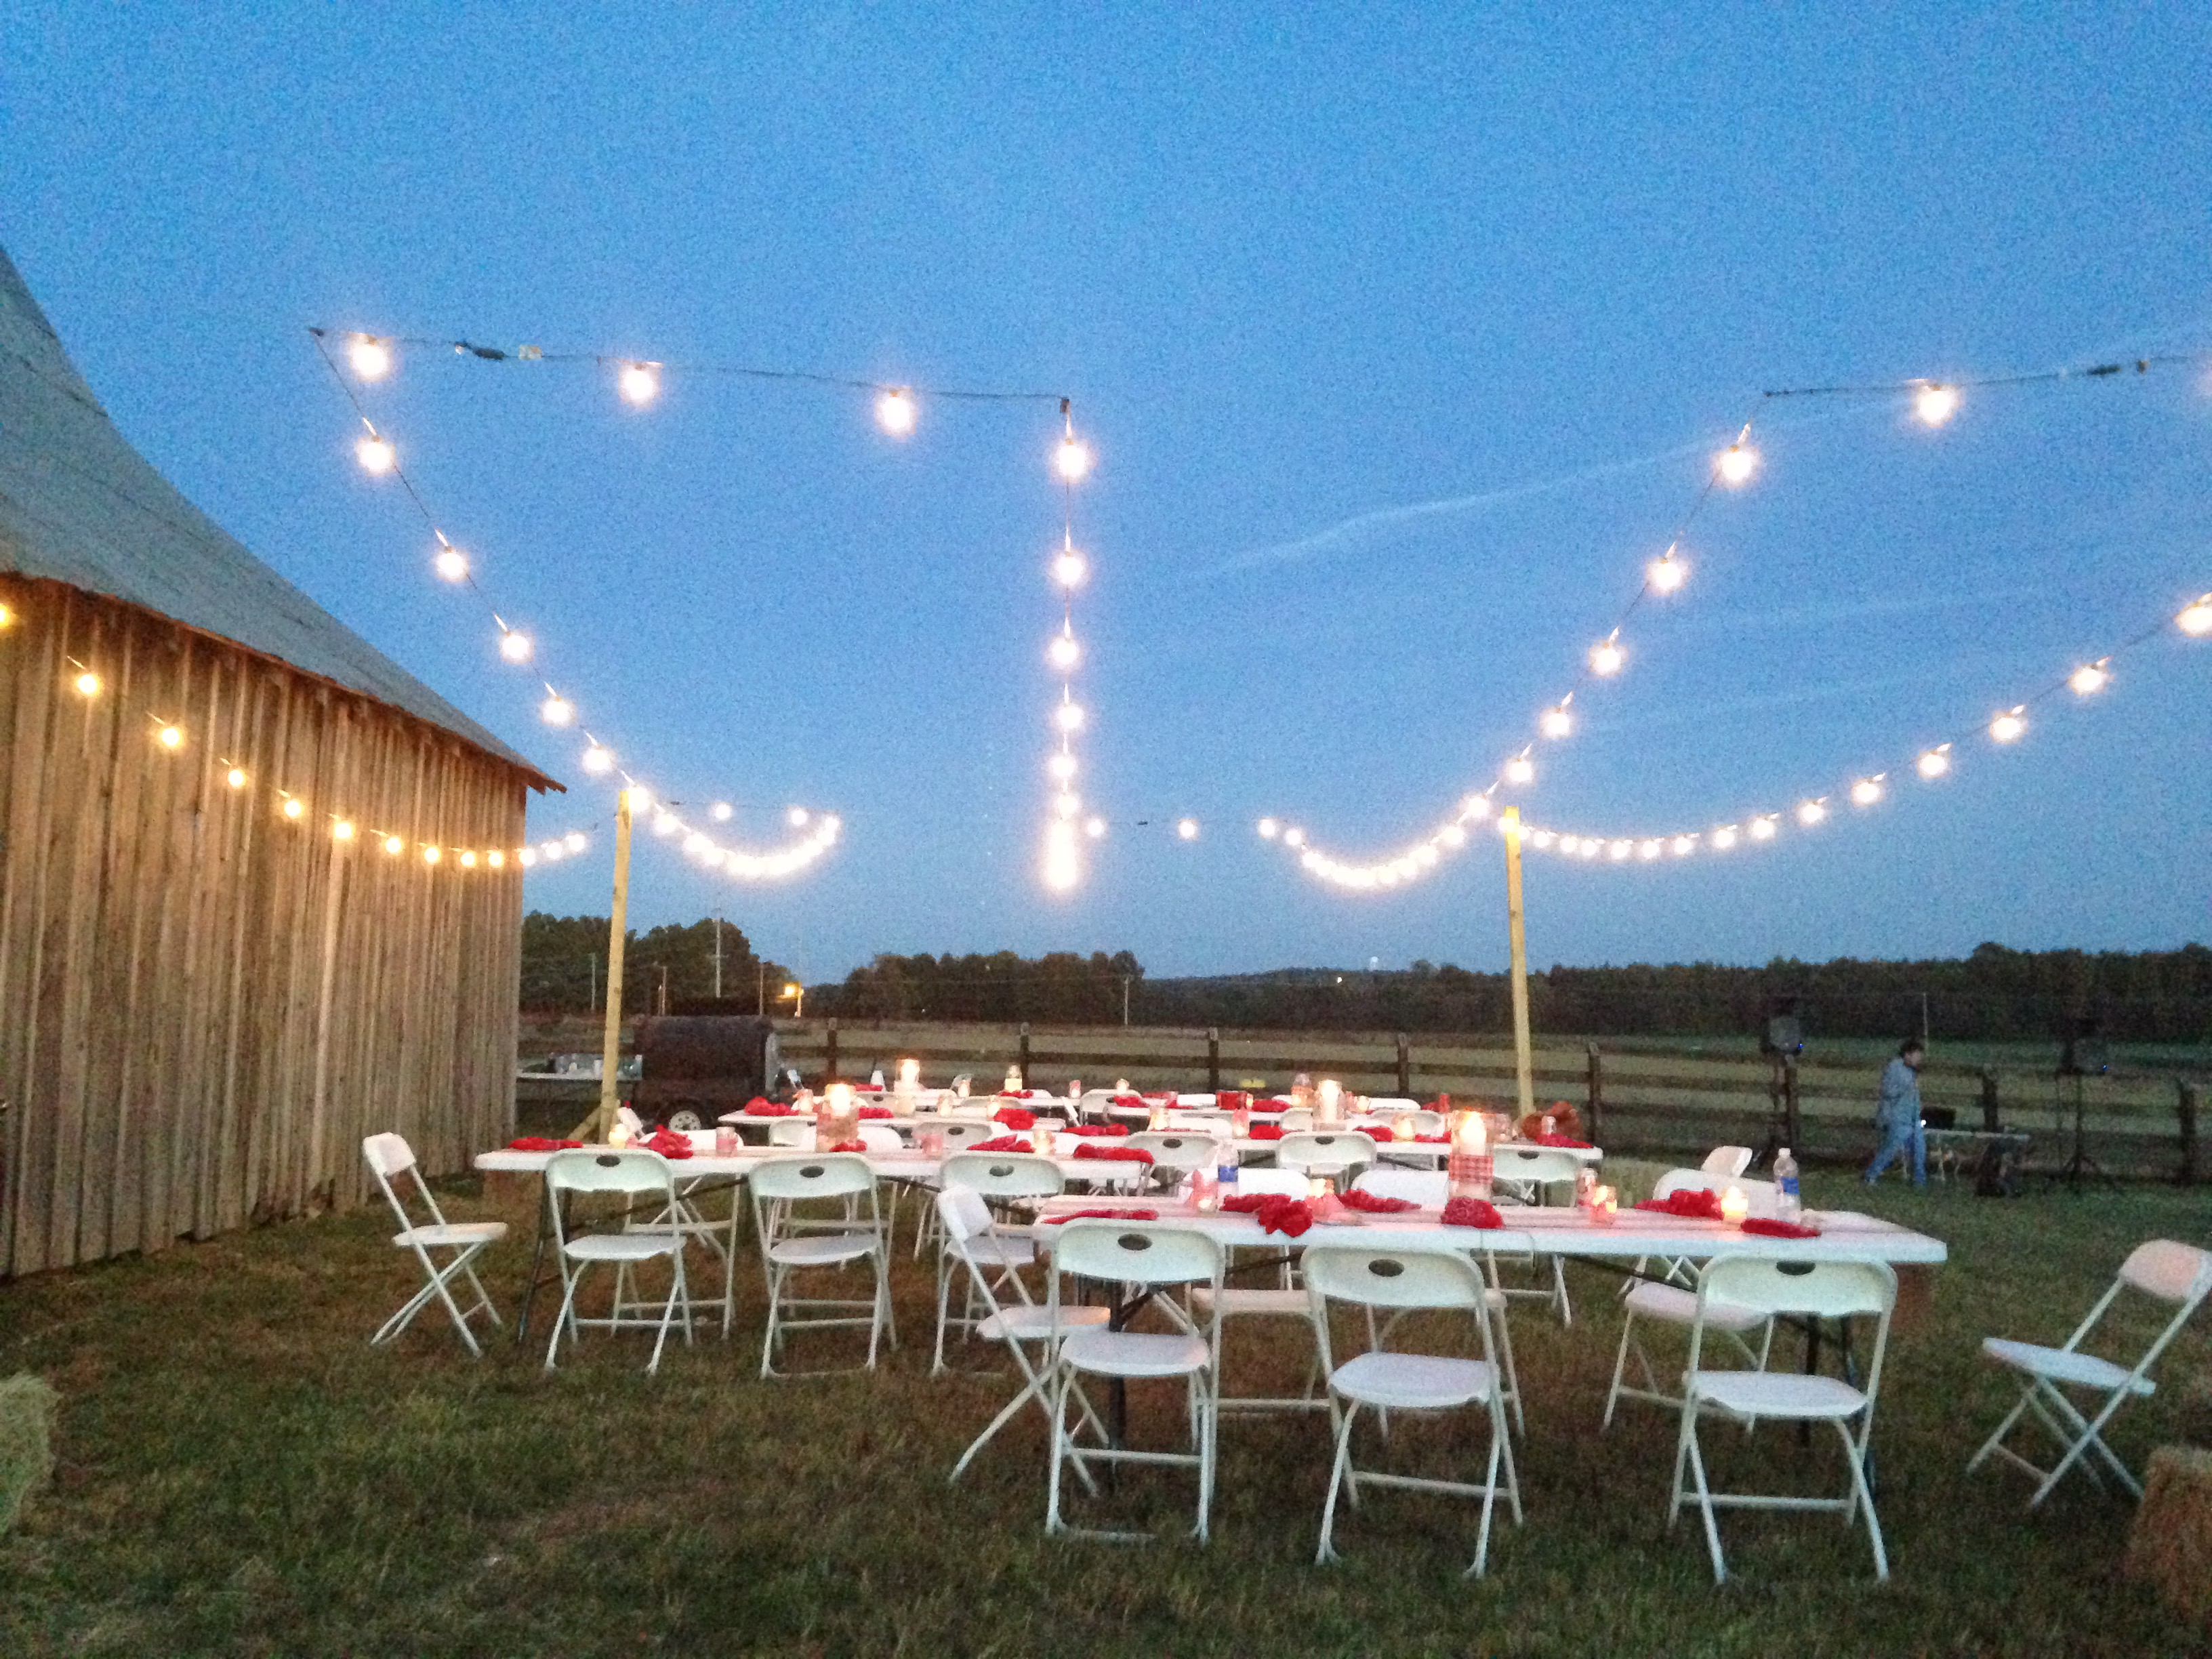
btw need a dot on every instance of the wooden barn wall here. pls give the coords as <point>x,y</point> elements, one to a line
<point>204,1006</point>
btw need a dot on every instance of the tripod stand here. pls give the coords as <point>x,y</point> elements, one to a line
<point>2078,1164</point>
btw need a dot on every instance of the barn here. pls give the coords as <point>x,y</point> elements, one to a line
<point>259,893</point>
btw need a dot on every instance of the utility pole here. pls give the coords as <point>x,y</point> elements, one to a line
<point>718,956</point>
<point>761,968</point>
<point>1125,1000</point>
<point>611,1046</point>
<point>1524,1071</point>
<point>591,1002</point>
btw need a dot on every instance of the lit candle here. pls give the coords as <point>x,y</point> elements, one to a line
<point>1318,1188</point>
<point>1734,1206</point>
<point>1329,1109</point>
<point>1159,1118</point>
<point>1605,1206</point>
<point>1401,1127</point>
<point>1013,1085</point>
<point>909,1076</point>
<point>1041,1141</point>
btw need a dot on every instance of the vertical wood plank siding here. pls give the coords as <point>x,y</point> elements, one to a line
<point>204,1006</point>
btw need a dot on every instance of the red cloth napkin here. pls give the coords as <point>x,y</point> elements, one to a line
<point>1122,1154</point>
<point>1279,1212</point>
<point>539,1144</point>
<point>999,1143</point>
<point>850,1146</point>
<point>1691,1203</point>
<point>876,1112</point>
<point>1106,1129</point>
<point>1767,1228</point>
<point>1433,1140</point>
<point>1130,1103</point>
<point>1376,1131</point>
<point>1230,1100</point>
<point>1014,1117</point>
<point>1565,1140</point>
<point>1472,1212</point>
<point>1266,1132</point>
<point>758,1108</point>
<point>667,1142</point>
<point>1103,1215</point>
<point>1376,1204</point>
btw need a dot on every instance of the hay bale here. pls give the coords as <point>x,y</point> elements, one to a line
<point>26,1442</point>
<point>2170,1545</point>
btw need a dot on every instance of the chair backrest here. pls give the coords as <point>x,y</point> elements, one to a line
<point>1427,1188</point>
<point>1390,1105</point>
<point>1195,1100</point>
<point>963,1213</point>
<point>1135,1252</point>
<point>1202,1123</point>
<point>1290,1183</point>
<point>1002,1175</point>
<point>2170,1271</point>
<point>1178,1149</point>
<point>609,1169</point>
<point>1728,1161</point>
<point>388,1154</point>
<point>957,1135</point>
<point>1328,1149</point>
<point>1544,1163</point>
<point>1782,1284</point>
<point>825,1174</point>
<point>1392,1276</point>
<point>881,1138</point>
<point>1426,1122</point>
<point>791,1132</point>
<point>628,1118</point>
<point>1295,1120</point>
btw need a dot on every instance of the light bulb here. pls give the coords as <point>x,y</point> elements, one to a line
<point>235,777</point>
<point>639,797</point>
<point>7,617</point>
<point>1935,404</point>
<point>1451,835</point>
<point>1811,811</point>
<point>1294,836</point>
<point>432,855</point>
<point>170,737</point>
<point>895,412</point>
<point>720,812</point>
<point>1935,763</point>
<point>393,844</point>
<point>527,858</point>
<point>1724,837</point>
<point>1068,717</point>
<point>1269,829</point>
<point>1683,845</point>
<point>294,807</point>
<point>696,843</point>
<point>1094,828</point>
<point>1064,652</point>
<point>598,760</point>
<point>2008,726</point>
<point>1068,803</point>
<point>1542,838</point>
<point>1762,828</point>
<point>554,851</point>
<point>796,818</point>
<point>1062,868</point>
<point>640,383</point>
<point>1866,792</point>
<point>556,711</point>
<point>371,357</point>
<point>1068,567</point>
<point>1606,657</point>
<point>375,456</point>
<point>1570,845</point>
<point>665,823</point>
<point>1520,770</point>
<point>515,646</point>
<point>1557,722</point>
<point>496,858</point>
<point>1619,849</point>
<point>1072,459</point>
<point>2090,678</point>
<point>574,841</point>
<point>88,684</point>
<point>1650,849</point>
<point>1476,807</point>
<point>342,831</point>
<point>1736,465</point>
<point>2196,620</point>
<point>1590,847</point>
<point>1062,767</point>
<point>1666,573</point>
<point>452,563</point>
<point>1186,829</point>
<point>831,824</point>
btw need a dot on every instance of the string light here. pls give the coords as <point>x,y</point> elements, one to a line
<point>1866,792</point>
<point>1724,837</point>
<point>394,846</point>
<point>235,777</point>
<point>1810,812</point>
<point>1667,572</point>
<point>1068,567</point>
<point>665,824</point>
<point>1064,652</point>
<point>451,563</point>
<point>1186,829</point>
<point>2090,678</point>
<point>294,807</point>
<point>370,357</point>
<point>1557,722</point>
<point>1606,658</point>
<point>574,841</point>
<point>7,617</point>
<point>720,812</point>
<point>515,645</point>
<point>1269,829</point>
<point>342,831</point>
<point>2009,726</point>
<point>170,737</point>
<point>598,760</point>
<point>432,855</point>
<point>556,711</point>
<point>640,383</point>
<point>1068,717</point>
<point>895,412</point>
<point>527,858</point>
<point>2196,619</point>
<point>1072,459</point>
<point>88,684</point>
<point>1935,403</point>
<point>1736,465</point>
<point>1934,763</point>
<point>468,860</point>
<point>1094,828</point>
<point>1520,770</point>
<point>1063,868</point>
<point>376,456</point>
<point>496,858</point>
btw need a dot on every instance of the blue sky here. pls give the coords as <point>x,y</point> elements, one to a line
<point>1299,274</point>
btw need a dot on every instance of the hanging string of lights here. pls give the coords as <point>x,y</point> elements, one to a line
<point>169,736</point>
<point>370,357</point>
<point>1934,403</point>
<point>1063,856</point>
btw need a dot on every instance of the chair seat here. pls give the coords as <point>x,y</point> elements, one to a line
<point>1135,1353</point>
<point>821,1250</point>
<point>1778,1394</point>
<point>622,1247</point>
<point>1675,1306</point>
<point>1251,1299</point>
<point>1026,1322</point>
<point>2082,1371</point>
<point>1002,1250</point>
<point>453,1232</point>
<point>1412,1382</point>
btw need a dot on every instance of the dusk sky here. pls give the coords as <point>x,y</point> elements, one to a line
<point>1403,341</point>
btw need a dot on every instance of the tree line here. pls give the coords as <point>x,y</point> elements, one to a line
<point>564,966</point>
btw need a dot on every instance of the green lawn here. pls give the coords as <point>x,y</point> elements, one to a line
<point>240,1473</point>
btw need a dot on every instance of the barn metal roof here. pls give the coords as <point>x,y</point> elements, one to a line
<point>79,505</point>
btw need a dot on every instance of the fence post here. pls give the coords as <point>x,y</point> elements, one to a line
<point>829,1054</point>
<point>1023,1064</point>
<point>1990,1100</point>
<point>1593,1124</point>
<point>1213,1058</point>
<point>2186,1108</point>
<point>1405,1065</point>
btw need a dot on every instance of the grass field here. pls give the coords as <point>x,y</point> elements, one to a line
<point>241,1474</point>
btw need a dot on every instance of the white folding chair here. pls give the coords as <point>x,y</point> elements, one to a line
<point>644,1181</point>
<point>790,1245</point>
<point>1007,1178</point>
<point>1284,1299</point>
<point>1528,1171</point>
<point>390,1157</point>
<point>1672,1304</point>
<point>1325,1151</point>
<point>1680,1270</point>
<point>1295,1120</point>
<point>1404,1280</point>
<point>1178,1151</point>
<point>1141,1256</point>
<point>2162,1269</point>
<point>1727,1162</point>
<point>793,1131</point>
<point>973,1239</point>
<point>1769,1286</point>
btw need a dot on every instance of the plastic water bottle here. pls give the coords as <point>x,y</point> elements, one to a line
<point>1788,1204</point>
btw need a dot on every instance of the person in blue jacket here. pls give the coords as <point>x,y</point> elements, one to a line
<point>1897,1114</point>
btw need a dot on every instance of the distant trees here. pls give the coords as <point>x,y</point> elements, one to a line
<point>564,966</point>
<point>1061,987</point>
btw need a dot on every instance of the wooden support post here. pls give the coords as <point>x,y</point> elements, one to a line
<point>1593,1122</point>
<point>2185,1109</point>
<point>1793,1123</point>
<point>1524,1066</point>
<point>1405,1064</point>
<point>830,1053</point>
<point>617,925</point>
<point>1989,1123</point>
<point>1213,1058</point>
<point>1023,1064</point>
